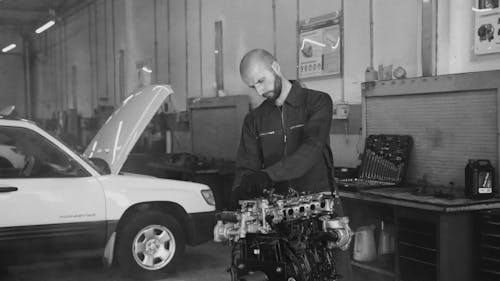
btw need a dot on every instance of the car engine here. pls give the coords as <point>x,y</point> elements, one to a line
<point>284,238</point>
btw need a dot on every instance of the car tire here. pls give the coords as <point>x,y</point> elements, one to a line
<point>149,244</point>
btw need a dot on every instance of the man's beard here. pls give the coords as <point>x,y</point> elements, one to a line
<point>276,92</point>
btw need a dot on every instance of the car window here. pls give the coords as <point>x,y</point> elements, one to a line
<point>26,154</point>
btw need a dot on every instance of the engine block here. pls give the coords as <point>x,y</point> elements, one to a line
<point>290,238</point>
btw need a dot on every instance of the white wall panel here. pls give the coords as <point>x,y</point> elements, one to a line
<point>194,49</point>
<point>102,66</point>
<point>77,89</point>
<point>177,46</point>
<point>397,34</point>
<point>120,37</point>
<point>356,48</point>
<point>11,73</point>
<point>162,30</point>
<point>246,25</point>
<point>286,36</point>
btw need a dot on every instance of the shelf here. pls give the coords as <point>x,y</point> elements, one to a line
<point>375,267</point>
<point>490,271</point>
<point>491,234</point>
<point>418,261</point>
<point>490,247</point>
<point>491,259</point>
<point>418,246</point>
<point>490,222</point>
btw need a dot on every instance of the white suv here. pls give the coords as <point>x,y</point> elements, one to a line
<point>55,203</point>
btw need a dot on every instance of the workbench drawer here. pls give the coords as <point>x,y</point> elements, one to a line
<point>417,232</point>
<point>417,249</point>
<point>420,239</point>
<point>491,252</point>
<point>418,253</point>
<point>489,225</point>
<point>415,270</point>
<point>489,275</point>
<point>489,246</point>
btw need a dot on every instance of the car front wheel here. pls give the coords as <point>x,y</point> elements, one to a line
<point>149,243</point>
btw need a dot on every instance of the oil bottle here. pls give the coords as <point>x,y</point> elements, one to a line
<point>479,179</point>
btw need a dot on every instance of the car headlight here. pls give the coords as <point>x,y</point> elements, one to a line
<point>208,196</point>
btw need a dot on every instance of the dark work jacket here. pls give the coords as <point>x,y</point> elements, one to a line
<point>290,143</point>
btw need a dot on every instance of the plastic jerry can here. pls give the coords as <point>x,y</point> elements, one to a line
<point>479,179</point>
<point>364,244</point>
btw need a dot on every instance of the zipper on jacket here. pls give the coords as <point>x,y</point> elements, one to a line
<point>282,109</point>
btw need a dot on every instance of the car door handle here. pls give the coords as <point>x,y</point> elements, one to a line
<point>8,189</point>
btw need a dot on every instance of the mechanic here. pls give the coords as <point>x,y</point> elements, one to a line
<point>285,141</point>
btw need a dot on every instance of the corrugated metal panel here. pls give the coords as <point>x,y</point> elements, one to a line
<point>216,125</point>
<point>448,129</point>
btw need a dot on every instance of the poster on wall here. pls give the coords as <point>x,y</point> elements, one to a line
<point>487,27</point>
<point>320,46</point>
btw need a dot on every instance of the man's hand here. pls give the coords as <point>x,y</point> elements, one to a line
<point>255,183</point>
<point>251,186</point>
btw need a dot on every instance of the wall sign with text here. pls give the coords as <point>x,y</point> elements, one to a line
<point>487,27</point>
<point>320,46</point>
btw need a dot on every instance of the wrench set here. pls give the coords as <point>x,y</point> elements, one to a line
<point>384,161</point>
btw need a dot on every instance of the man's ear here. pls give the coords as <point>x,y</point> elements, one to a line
<point>276,67</point>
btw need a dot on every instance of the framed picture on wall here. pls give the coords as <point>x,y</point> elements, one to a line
<point>487,4</point>
<point>486,27</point>
<point>320,46</point>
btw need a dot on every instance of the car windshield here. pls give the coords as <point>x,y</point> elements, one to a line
<point>87,160</point>
<point>76,150</point>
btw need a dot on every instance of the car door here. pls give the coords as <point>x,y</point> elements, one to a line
<point>49,203</point>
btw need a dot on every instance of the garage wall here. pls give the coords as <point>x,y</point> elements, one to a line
<point>139,31</point>
<point>12,87</point>
<point>76,61</point>
<point>92,57</point>
<point>455,40</point>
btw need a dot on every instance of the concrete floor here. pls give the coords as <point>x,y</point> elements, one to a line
<point>206,262</point>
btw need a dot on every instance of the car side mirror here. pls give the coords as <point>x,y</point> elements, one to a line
<point>101,165</point>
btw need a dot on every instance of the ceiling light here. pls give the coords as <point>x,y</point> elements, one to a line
<point>46,26</point>
<point>8,48</point>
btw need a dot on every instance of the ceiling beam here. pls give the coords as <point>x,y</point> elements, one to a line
<point>18,16</point>
<point>23,13</point>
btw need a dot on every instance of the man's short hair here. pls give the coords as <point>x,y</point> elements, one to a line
<point>256,56</point>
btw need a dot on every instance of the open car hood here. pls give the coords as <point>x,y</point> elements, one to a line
<point>118,135</point>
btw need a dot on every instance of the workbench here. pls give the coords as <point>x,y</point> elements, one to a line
<point>436,238</point>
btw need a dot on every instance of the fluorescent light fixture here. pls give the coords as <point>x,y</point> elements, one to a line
<point>8,48</point>
<point>46,26</point>
<point>147,69</point>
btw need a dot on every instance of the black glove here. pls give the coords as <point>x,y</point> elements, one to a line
<point>254,183</point>
<point>250,187</point>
